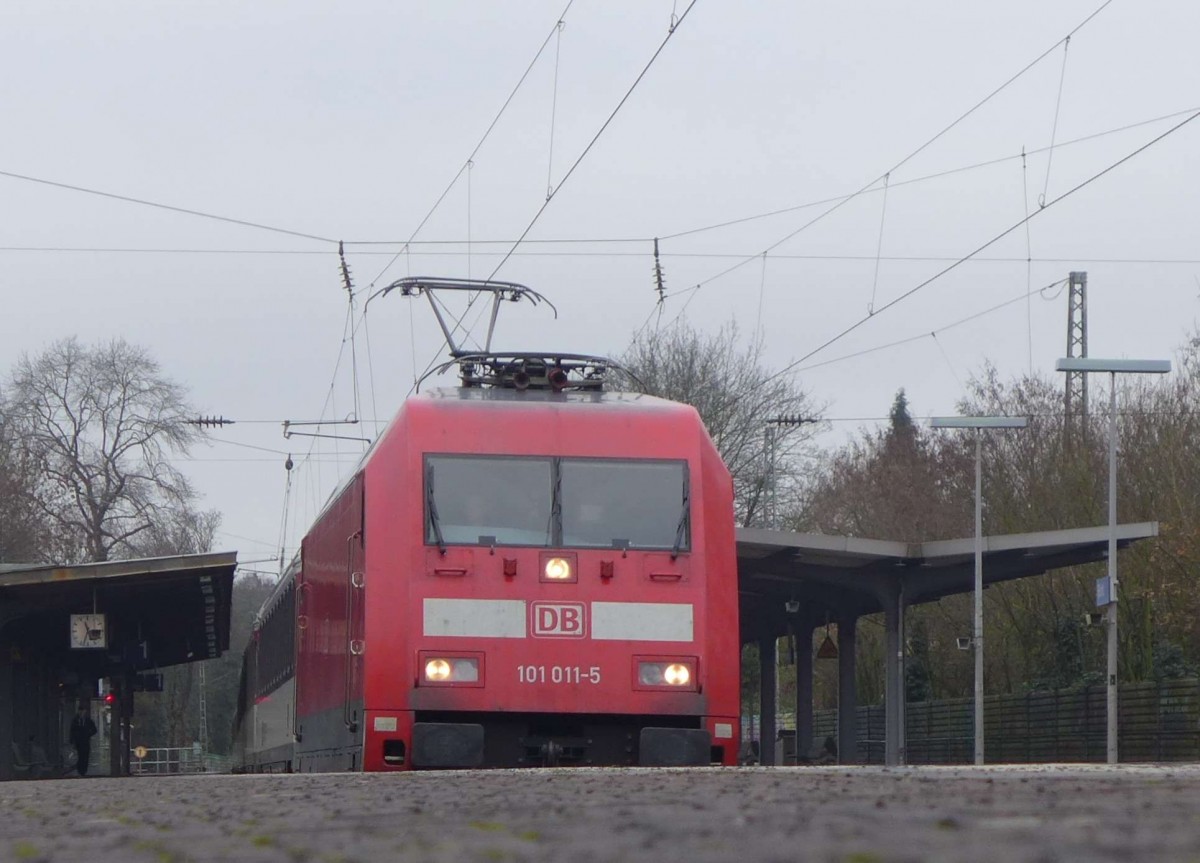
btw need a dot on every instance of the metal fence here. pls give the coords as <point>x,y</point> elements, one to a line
<point>1157,722</point>
<point>160,760</point>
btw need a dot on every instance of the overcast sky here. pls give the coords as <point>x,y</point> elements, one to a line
<point>348,121</point>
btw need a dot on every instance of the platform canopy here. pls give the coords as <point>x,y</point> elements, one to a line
<point>157,611</point>
<point>834,577</point>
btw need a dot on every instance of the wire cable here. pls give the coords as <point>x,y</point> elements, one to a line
<point>978,259</point>
<point>595,138</point>
<point>879,245</point>
<point>371,374</point>
<point>185,211</point>
<point>1028,261</point>
<point>946,357</point>
<point>762,284</point>
<point>407,248</point>
<point>921,179</point>
<point>979,249</point>
<point>837,206</point>
<point>1054,128</point>
<point>479,145</point>
<point>553,111</point>
<point>940,329</point>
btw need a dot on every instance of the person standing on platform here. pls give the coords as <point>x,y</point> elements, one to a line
<point>83,729</point>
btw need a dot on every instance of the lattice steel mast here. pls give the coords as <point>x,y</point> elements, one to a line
<point>1075,399</point>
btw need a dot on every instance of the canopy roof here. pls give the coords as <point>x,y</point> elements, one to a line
<point>833,577</point>
<point>159,611</point>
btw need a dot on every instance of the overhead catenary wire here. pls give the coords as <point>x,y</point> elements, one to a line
<point>551,193</point>
<point>1083,258</point>
<point>921,179</point>
<point>553,111</point>
<point>315,442</point>
<point>924,335</point>
<point>587,149</point>
<point>478,146</point>
<point>287,499</point>
<point>985,245</point>
<point>1028,260</point>
<point>878,245</point>
<point>912,155</point>
<point>1054,128</point>
<point>470,170</point>
<point>762,286</point>
<point>407,247</point>
<point>161,206</point>
<point>223,532</point>
<point>950,365</point>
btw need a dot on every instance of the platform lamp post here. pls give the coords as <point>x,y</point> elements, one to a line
<point>979,424</point>
<point>1113,368</point>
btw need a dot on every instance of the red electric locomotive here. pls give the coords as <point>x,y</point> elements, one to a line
<point>526,570</point>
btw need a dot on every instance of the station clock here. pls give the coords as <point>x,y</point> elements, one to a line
<point>88,631</point>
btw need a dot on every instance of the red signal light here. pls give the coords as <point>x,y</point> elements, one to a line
<point>110,699</point>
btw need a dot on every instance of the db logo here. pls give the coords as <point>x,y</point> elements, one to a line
<point>557,620</point>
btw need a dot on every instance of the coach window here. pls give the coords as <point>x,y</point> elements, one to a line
<point>484,501</point>
<point>635,504</point>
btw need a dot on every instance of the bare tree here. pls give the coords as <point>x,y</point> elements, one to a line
<point>723,378</point>
<point>24,536</point>
<point>99,423</point>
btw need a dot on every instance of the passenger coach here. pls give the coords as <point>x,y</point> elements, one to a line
<point>525,570</point>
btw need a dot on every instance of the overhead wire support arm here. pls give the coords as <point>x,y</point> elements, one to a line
<point>289,434</point>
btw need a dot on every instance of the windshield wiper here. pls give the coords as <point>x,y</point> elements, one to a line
<point>681,530</point>
<point>554,528</point>
<point>431,505</point>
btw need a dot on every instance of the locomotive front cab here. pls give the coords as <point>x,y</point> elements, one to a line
<point>563,596</point>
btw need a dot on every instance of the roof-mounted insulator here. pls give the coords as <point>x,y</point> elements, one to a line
<point>205,422</point>
<point>660,283</point>
<point>347,281</point>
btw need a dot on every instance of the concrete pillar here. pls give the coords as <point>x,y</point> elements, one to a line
<point>804,689</point>
<point>6,712</point>
<point>767,676</point>
<point>120,715</point>
<point>114,728</point>
<point>847,736</point>
<point>894,675</point>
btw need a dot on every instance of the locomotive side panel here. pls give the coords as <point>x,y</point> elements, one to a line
<point>389,524</point>
<point>724,672</point>
<point>331,602</point>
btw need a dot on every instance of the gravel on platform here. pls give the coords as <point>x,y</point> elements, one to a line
<point>835,814</point>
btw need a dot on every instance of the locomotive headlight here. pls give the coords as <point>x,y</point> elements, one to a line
<point>667,674</point>
<point>676,674</point>
<point>452,669</point>
<point>558,569</point>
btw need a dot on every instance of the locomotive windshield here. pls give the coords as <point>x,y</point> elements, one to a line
<point>558,502</point>
<point>488,501</point>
